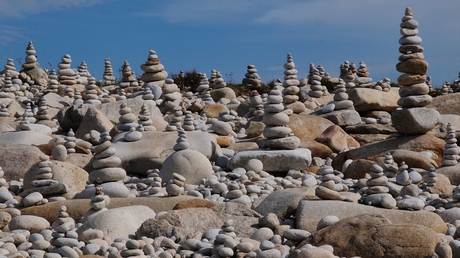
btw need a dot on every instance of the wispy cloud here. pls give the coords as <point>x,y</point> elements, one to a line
<point>21,8</point>
<point>10,34</point>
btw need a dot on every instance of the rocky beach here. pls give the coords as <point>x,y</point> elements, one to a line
<point>149,165</point>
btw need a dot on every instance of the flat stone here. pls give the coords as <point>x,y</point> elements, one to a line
<point>415,120</point>
<point>415,89</point>
<point>415,66</point>
<point>415,101</point>
<point>410,78</point>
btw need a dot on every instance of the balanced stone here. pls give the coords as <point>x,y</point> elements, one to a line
<point>91,93</point>
<point>67,75</point>
<point>252,78</point>
<point>153,70</point>
<point>108,72</point>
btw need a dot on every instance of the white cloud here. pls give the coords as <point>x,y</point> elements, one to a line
<point>20,8</point>
<point>9,34</point>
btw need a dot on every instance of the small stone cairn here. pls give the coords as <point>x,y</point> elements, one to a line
<point>176,121</point>
<point>451,150</point>
<point>377,192</point>
<point>390,167</point>
<point>252,79</point>
<point>362,79</point>
<point>413,118</point>
<point>446,89</point>
<point>314,79</point>
<point>70,142</point>
<point>189,122</point>
<point>204,84</point>
<point>53,84</point>
<point>154,71</point>
<point>42,112</point>
<point>291,87</point>
<point>128,76</point>
<point>340,101</point>
<point>84,73</point>
<point>7,90</point>
<point>145,120</point>
<point>277,133</point>
<point>31,68</point>
<point>67,75</point>
<point>175,186</point>
<point>127,118</point>
<point>98,202</point>
<point>171,95</point>
<point>106,165</point>
<point>108,72</point>
<point>91,94</point>
<point>62,226</point>
<point>9,67</point>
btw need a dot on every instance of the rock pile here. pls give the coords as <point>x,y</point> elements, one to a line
<point>67,75</point>
<point>154,71</point>
<point>128,76</point>
<point>314,79</point>
<point>31,70</point>
<point>451,150</point>
<point>362,79</point>
<point>108,72</point>
<point>291,87</point>
<point>413,117</point>
<point>91,93</point>
<point>252,78</point>
<point>84,73</point>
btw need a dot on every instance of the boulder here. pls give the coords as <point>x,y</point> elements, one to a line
<point>284,202</point>
<point>33,224</point>
<point>93,120</point>
<point>273,160</point>
<point>337,139</point>
<point>226,92</point>
<point>446,104</point>
<point>365,99</point>
<point>413,159</point>
<point>213,110</point>
<point>343,117</point>
<point>370,236</point>
<point>451,172</point>
<point>358,168</point>
<point>316,126</point>
<point>310,212</point>
<point>16,159</point>
<point>24,138</point>
<point>65,173</point>
<point>415,120</point>
<point>154,147</point>
<point>118,222</point>
<point>417,143</point>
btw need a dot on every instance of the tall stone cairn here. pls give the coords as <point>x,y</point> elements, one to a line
<point>413,117</point>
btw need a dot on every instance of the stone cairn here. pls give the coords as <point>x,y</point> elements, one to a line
<point>70,140</point>
<point>451,150</point>
<point>291,87</point>
<point>203,85</point>
<point>63,226</point>
<point>212,80</point>
<point>189,122</point>
<point>7,90</point>
<point>108,72</point>
<point>362,76</point>
<point>256,105</point>
<point>83,73</point>
<point>377,193</point>
<point>446,89</point>
<point>171,95</point>
<point>128,76</point>
<point>413,118</point>
<point>390,167</point>
<point>383,85</point>
<point>154,71</point>
<point>175,186</point>
<point>66,75</point>
<point>176,120</point>
<point>127,118</point>
<point>277,133</point>
<point>31,59</point>
<point>106,165</point>
<point>98,202</point>
<point>42,112</point>
<point>9,67</point>
<point>145,119</point>
<point>314,79</point>
<point>78,100</point>
<point>53,84</point>
<point>340,101</point>
<point>91,96</point>
<point>252,79</point>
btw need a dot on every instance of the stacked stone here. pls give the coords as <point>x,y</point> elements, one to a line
<point>24,124</point>
<point>429,83</point>
<point>70,140</point>
<point>445,88</point>
<point>204,83</point>
<point>67,75</point>
<point>171,95</point>
<point>145,120</point>
<point>31,59</point>
<point>91,96</point>
<point>189,122</point>
<point>63,226</point>
<point>106,164</point>
<point>7,90</point>
<point>219,82</point>
<point>44,175</point>
<point>340,101</point>
<point>362,79</point>
<point>4,110</point>
<point>154,71</point>
<point>451,150</point>
<point>430,178</point>
<point>252,79</point>
<point>83,73</point>
<point>212,80</point>
<point>9,67</point>
<point>377,191</point>
<point>128,76</point>
<point>53,83</point>
<point>77,101</point>
<point>134,134</point>
<point>175,186</point>
<point>277,133</point>
<point>108,72</point>
<point>155,188</point>
<point>121,96</point>
<point>147,94</point>
<point>391,169</point>
<point>126,119</point>
<point>42,112</point>
<point>29,114</point>
<point>413,118</point>
<point>176,121</point>
<point>206,97</point>
<point>383,85</point>
<point>344,69</point>
<point>98,202</point>
<point>291,87</point>
<point>314,79</point>
<point>228,228</point>
<point>69,92</point>
<point>403,177</point>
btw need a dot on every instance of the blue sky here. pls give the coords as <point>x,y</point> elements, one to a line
<point>228,35</point>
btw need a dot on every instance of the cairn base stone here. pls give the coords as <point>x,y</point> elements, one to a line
<point>415,120</point>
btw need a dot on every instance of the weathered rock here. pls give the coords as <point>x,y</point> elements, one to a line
<point>93,120</point>
<point>375,236</point>
<point>16,159</point>
<point>299,122</point>
<point>33,224</point>
<point>446,104</point>
<point>369,99</point>
<point>358,168</point>
<point>273,160</point>
<point>415,120</point>
<point>284,202</point>
<point>337,139</point>
<point>310,212</point>
<point>413,159</point>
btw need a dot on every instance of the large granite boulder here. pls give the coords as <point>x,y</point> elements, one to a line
<point>365,99</point>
